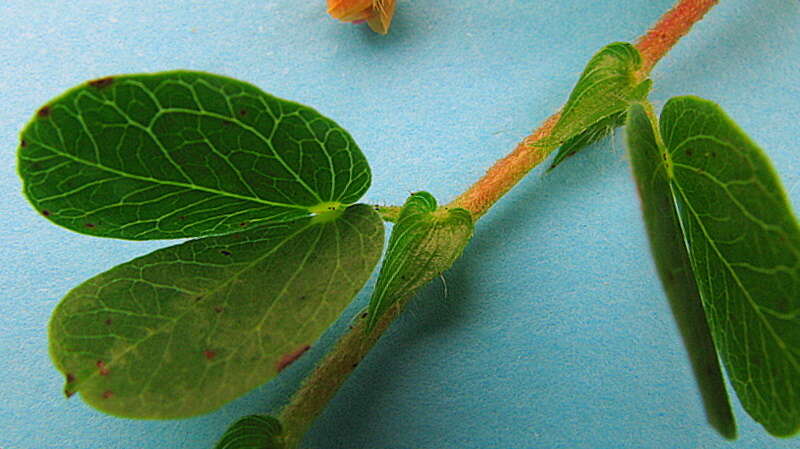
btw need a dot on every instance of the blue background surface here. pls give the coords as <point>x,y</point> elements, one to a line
<point>552,331</point>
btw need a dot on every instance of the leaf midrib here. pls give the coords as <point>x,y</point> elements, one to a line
<point>182,185</point>
<point>755,307</point>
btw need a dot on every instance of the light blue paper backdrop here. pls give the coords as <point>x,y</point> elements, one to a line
<point>551,332</point>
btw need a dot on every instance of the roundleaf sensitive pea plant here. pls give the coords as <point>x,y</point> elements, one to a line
<point>267,191</point>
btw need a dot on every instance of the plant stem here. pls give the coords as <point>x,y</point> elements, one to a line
<point>508,171</point>
<point>672,26</point>
<point>330,373</point>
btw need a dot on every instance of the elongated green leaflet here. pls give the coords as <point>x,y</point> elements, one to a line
<point>649,162</point>
<point>744,245</point>
<point>183,154</point>
<point>599,100</point>
<point>252,432</point>
<point>425,242</point>
<point>183,330</point>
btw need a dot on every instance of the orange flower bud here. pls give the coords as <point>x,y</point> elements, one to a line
<point>377,13</point>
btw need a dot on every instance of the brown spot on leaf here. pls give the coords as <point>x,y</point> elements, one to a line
<point>242,112</point>
<point>290,357</point>
<point>689,153</point>
<point>44,111</point>
<point>364,315</point>
<point>107,394</point>
<point>102,82</point>
<point>182,217</point>
<point>209,354</point>
<point>45,212</point>
<point>68,393</point>
<point>218,309</point>
<point>102,368</point>
<point>225,252</point>
<point>244,224</point>
<point>70,378</point>
<point>108,322</point>
<point>23,143</point>
<point>90,225</point>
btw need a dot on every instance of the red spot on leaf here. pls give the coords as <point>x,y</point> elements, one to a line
<point>242,112</point>
<point>102,368</point>
<point>45,212</point>
<point>90,225</point>
<point>70,378</point>
<point>44,112</point>
<point>102,82</point>
<point>288,358</point>
<point>107,394</point>
<point>209,354</point>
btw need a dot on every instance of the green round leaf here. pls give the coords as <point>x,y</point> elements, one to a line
<point>183,154</point>
<point>183,330</point>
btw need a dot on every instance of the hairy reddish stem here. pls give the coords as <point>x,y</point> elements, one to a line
<point>508,171</point>
<point>669,29</point>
